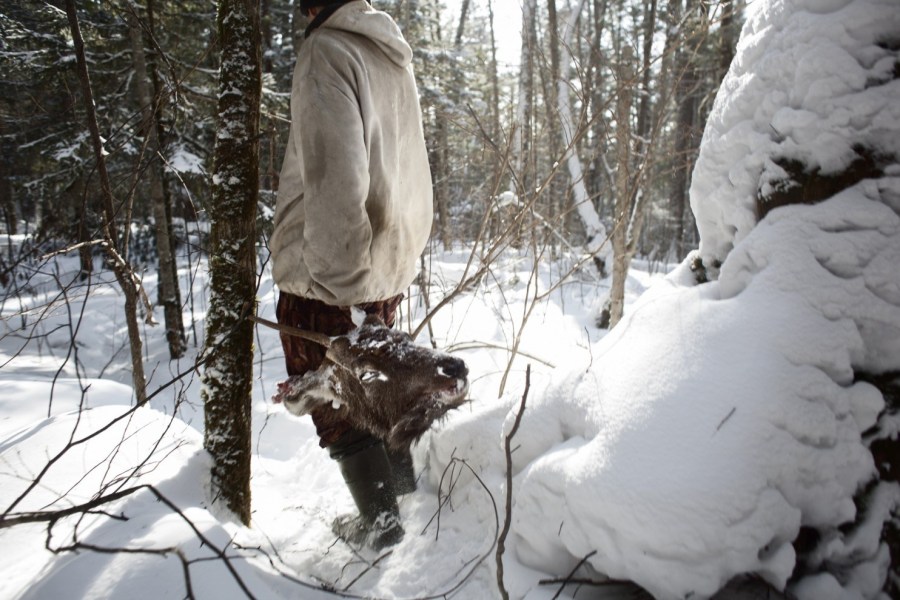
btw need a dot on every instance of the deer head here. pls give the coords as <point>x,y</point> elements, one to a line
<point>381,381</point>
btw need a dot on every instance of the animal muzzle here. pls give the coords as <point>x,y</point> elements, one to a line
<point>455,373</point>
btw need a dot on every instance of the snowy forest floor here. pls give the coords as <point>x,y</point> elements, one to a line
<point>66,389</point>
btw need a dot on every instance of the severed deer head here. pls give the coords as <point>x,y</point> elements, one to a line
<point>380,380</point>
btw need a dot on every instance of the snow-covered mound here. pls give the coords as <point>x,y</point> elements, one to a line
<point>812,80</point>
<point>717,420</point>
<point>692,444</point>
<point>75,456</point>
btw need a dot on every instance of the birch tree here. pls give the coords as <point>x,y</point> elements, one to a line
<point>227,377</point>
<point>523,133</point>
<point>595,231</point>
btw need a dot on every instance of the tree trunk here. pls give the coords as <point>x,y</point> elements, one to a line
<point>646,144</point>
<point>461,27</point>
<point>595,232</point>
<point>6,195</point>
<point>168,293</point>
<point>227,377</point>
<point>624,197</point>
<point>643,120</point>
<point>157,90</point>
<point>122,271</point>
<point>495,84</point>
<point>597,176</point>
<point>522,141</point>
<point>557,185</point>
<point>685,101</point>
<point>495,132</point>
<point>441,170</point>
<point>265,19</point>
<point>86,252</point>
<point>729,30</point>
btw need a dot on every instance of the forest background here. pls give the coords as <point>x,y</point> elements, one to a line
<point>627,83</point>
<point>587,146</point>
<point>123,142</point>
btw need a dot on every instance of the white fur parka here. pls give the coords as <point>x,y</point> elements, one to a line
<point>354,207</point>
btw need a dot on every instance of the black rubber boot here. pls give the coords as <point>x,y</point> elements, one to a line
<point>367,472</point>
<point>402,468</point>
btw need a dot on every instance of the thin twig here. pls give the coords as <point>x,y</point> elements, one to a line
<point>568,578</point>
<point>728,416</point>
<point>367,569</point>
<point>475,345</point>
<point>507,447</point>
<point>71,248</point>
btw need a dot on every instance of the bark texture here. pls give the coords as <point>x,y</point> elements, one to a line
<point>229,335</point>
<point>624,196</point>
<point>169,294</point>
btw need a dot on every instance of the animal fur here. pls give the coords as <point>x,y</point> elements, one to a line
<point>381,382</point>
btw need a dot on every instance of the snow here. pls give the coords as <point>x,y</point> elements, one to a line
<point>707,466</point>
<point>183,160</point>
<point>801,85</point>
<point>689,446</point>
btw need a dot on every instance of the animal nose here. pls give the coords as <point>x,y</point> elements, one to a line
<point>454,368</point>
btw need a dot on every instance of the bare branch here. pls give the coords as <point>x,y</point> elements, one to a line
<point>507,449</point>
<point>312,336</point>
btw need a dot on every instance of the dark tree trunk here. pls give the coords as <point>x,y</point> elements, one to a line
<point>685,129</point>
<point>729,28</point>
<point>525,110</point>
<point>227,378</point>
<point>122,271</point>
<point>596,176</point>
<point>267,31</point>
<point>461,27</point>
<point>643,119</point>
<point>624,192</point>
<point>554,135</point>
<point>169,296</point>
<point>6,195</point>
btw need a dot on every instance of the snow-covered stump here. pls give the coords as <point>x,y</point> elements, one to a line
<point>879,498</point>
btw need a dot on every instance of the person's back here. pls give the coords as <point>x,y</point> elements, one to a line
<point>356,160</point>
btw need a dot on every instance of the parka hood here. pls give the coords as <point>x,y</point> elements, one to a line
<point>359,17</point>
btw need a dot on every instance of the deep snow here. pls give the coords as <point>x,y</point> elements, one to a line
<point>688,446</point>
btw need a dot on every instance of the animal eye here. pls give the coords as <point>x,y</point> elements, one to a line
<point>370,375</point>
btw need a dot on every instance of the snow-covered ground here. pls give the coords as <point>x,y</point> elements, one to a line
<point>297,490</point>
<point>693,444</point>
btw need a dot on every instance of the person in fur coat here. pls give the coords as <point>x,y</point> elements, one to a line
<point>353,214</point>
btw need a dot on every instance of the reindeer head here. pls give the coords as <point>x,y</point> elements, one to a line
<point>382,383</point>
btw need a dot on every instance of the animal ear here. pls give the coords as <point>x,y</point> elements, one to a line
<point>374,320</point>
<point>301,394</point>
<point>339,351</point>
